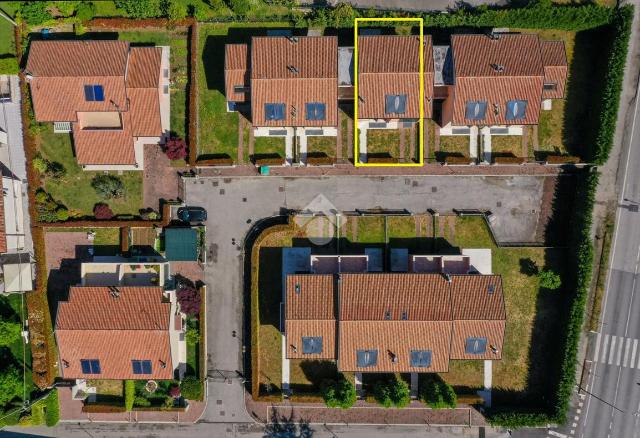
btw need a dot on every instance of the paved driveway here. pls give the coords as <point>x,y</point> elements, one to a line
<point>235,204</point>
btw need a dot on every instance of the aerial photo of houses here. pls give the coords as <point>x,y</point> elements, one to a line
<point>319,218</point>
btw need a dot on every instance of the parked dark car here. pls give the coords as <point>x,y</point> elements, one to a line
<point>192,214</point>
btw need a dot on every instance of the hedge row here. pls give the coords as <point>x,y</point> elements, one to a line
<point>580,265</point>
<point>52,409</point>
<point>541,14</point>
<point>621,24</point>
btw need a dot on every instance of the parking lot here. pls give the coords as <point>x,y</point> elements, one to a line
<point>235,204</point>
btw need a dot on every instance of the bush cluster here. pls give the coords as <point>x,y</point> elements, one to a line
<point>102,211</point>
<point>392,392</point>
<point>108,186</point>
<point>191,388</point>
<point>51,169</point>
<point>189,299</point>
<point>48,209</point>
<point>176,149</point>
<point>437,393</point>
<point>339,393</point>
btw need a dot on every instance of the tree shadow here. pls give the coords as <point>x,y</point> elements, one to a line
<point>528,267</point>
<point>287,426</point>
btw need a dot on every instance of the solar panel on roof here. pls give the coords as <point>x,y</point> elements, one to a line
<point>516,109</point>
<point>475,345</point>
<point>315,111</point>
<point>475,110</point>
<point>395,103</point>
<point>366,358</point>
<point>274,111</point>
<point>311,344</point>
<point>141,366</point>
<point>90,366</point>
<point>420,358</point>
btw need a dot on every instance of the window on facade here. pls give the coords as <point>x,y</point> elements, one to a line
<point>90,366</point>
<point>475,345</point>
<point>550,86</point>
<point>141,366</point>
<point>366,358</point>
<point>93,93</point>
<point>475,110</point>
<point>311,344</point>
<point>274,111</point>
<point>516,109</point>
<point>420,358</point>
<point>315,111</point>
<point>395,103</point>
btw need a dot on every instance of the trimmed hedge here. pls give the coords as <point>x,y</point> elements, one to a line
<point>562,159</point>
<point>9,65</point>
<point>580,265</point>
<point>103,409</point>
<point>129,394</point>
<point>437,393</point>
<point>52,409</point>
<point>621,24</point>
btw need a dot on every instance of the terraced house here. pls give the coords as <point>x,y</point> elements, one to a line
<point>428,310</point>
<point>112,97</point>
<point>475,85</point>
<point>291,84</point>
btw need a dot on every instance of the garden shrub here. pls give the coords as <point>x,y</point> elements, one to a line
<point>338,394</point>
<point>189,299</point>
<point>47,208</point>
<point>549,280</point>
<point>240,7</point>
<point>65,8</point>
<point>141,401</point>
<point>9,332</point>
<point>40,164</point>
<point>52,409</point>
<point>34,13</point>
<point>193,335</point>
<point>141,8</point>
<point>176,149</point>
<point>102,211</point>
<point>62,214</point>
<point>392,392</point>
<point>174,391</point>
<point>108,186</point>
<point>9,65</point>
<point>176,10</point>
<point>191,388</point>
<point>437,393</point>
<point>129,394</point>
<point>85,11</point>
<point>11,384</point>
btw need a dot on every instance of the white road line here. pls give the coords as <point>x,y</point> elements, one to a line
<point>613,350</point>
<point>633,353</point>
<point>625,359</point>
<point>638,366</point>
<point>558,434</point>
<point>598,339</point>
<point>605,349</point>
<point>619,356</point>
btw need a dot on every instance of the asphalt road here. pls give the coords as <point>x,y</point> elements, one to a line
<point>234,205</point>
<point>612,408</point>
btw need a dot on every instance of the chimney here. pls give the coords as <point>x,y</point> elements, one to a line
<point>499,68</point>
<point>448,278</point>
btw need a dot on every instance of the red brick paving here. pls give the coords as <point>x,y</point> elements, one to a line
<point>348,169</point>
<point>71,410</point>
<point>191,270</point>
<point>61,246</point>
<point>362,413</point>
<point>160,179</point>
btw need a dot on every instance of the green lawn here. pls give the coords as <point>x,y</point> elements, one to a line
<point>321,146</point>
<point>505,144</point>
<point>218,132</point>
<point>269,147</point>
<point>383,142</point>
<point>74,189</point>
<point>7,40</point>
<point>455,145</point>
<point>532,317</point>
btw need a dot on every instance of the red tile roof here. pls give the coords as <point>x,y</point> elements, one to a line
<point>236,71</point>
<point>477,297</point>
<point>77,58</point>
<point>295,329</point>
<point>493,330</point>
<point>315,299</point>
<point>130,79</point>
<point>398,337</point>
<point>425,297</point>
<point>143,70</point>
<point>554,58</point>
<point>294,73</point>
<point>476,58</point>
<point>93,324</point>
<point>389,65</point>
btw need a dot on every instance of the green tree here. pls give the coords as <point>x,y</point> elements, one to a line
<point>11,384</point>
<point>436,393</point>
<point>108,186</point>
<point>85,11</point>
<point>176,10</point>
<point>549,279</point>
<point>382,394</point>
<point>65,8</point>
<point>240,7</point>
<point>141,8</point>
<point>34,13</point>
<point>399,393</point>
<point>129,394</point>
<point>338,394</point>
<point>9,332</point>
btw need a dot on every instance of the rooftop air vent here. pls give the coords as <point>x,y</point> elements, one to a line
<point>448,278</point>
<point>387,314</point>
<point>293,69</point>
<point>496,109</point>
<point>499,68</point>
<point>491,289</point>
<point>163,364</point>
<point>297,288</point>
<point>114,292</point>
<point>292,39</point>
<point>404,315</point>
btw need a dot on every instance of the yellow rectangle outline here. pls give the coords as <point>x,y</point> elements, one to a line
<point>356,158</point>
